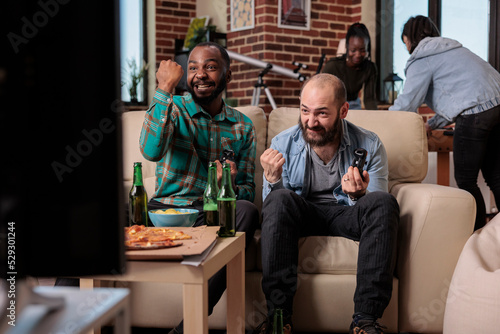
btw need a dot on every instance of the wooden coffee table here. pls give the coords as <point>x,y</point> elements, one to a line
<point>227,251</point>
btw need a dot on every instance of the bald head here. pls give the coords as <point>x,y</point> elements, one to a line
<point>326,80</point>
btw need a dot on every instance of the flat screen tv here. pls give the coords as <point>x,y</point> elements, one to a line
<point>61,176</point>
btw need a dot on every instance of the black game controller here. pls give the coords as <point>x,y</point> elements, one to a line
<point>227,155</point>
<point>359,160</point>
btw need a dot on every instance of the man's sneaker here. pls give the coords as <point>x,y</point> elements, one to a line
<point>366,327</point>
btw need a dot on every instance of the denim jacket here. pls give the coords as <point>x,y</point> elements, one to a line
<point>450,79</point>
<point>291,144</point>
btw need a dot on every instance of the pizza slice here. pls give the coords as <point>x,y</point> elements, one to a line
<point>142,237</point>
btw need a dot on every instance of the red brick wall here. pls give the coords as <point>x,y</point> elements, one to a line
<point>172,21</point>
<point>278,46</point>
<point>329,22</point>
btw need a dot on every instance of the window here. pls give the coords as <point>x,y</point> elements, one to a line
<point>403,10</point>
<point>473,23</point>
<point>132,50</point>
<point>474,34</point>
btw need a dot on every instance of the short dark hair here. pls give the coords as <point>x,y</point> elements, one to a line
<point>417,28</point>
<point>223,52</point>
<point>359,30</point>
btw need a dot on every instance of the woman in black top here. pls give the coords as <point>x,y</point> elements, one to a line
<point>355,68</point>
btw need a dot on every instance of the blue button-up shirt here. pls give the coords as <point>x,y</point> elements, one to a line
<point>295,150</point>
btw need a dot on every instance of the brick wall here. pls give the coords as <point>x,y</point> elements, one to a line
<point>172,21</point>
<point>329,22</point>
<point>278,46</point>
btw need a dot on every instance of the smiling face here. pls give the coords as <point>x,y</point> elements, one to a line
<point>356,51</point>
<point>321,112</point>
<point>207,75</point>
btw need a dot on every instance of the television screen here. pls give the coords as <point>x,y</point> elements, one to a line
<point>61,191</point>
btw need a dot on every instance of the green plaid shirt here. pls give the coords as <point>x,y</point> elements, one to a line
<point>183,138</point>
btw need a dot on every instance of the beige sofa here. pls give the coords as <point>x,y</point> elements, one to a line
<point>436,221</point>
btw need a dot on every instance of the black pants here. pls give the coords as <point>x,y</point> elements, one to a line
<point>476,147</point>
<point>373,221</point>
<point>247,220</point>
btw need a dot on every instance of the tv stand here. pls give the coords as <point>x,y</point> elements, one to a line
<point>45,309</point>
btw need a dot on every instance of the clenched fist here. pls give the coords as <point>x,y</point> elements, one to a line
<point>272,162</point>
<point>168,75</point>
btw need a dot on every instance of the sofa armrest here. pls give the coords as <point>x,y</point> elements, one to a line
<point>436,222</point>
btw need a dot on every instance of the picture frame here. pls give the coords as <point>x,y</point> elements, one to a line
<point>242,14</point>
<point>294,14</point>
<point>196,23</point>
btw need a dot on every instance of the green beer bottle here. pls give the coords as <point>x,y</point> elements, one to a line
<point>278,321</point>
<point>210,197</point>
<point>226,204</point>
<point>138,199</point>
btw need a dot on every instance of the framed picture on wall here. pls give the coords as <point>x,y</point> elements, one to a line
<point>294,14</point>
<point>242,14</point>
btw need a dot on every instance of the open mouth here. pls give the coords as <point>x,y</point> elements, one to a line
<point>203,87</point>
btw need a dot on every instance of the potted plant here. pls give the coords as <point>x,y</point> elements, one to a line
<point>136,75</point>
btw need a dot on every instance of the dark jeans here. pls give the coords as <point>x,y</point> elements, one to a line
<point>247,220</point>
<point>373,221</point>
<point>476,146</point>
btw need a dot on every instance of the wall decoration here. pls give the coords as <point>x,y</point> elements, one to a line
<point>195,24</point>
<point>242,14</point>
<point>294,14</point>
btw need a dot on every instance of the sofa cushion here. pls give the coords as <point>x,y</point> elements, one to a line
<point>405,141</point>
<point>281,119</point>
<point>320,255</point>
<point>328,255</point>
<point>259,121</point>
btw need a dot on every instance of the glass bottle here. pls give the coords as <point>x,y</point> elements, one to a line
<point>278,321</point>
<point>226,204</point>
<point>210,197</point>
<point>138,199</point>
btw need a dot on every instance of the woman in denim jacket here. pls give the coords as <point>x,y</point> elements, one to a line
<point>460,88</point>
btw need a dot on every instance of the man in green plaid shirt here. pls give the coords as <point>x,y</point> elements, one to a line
<point>184,133</point>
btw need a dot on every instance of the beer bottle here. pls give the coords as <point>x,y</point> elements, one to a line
<point>278,321</point>
<point>210,196</point>
<point>226,204</point>
<point>138,199</point>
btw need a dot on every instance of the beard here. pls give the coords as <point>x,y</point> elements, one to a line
<point>206,100</point>
<point>329,135</point>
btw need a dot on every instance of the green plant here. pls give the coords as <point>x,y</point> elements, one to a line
<point>136,75</point>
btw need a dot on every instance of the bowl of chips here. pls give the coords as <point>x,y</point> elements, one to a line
<point>173,217</point>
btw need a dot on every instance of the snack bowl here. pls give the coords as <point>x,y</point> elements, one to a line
<point>181,218</point>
